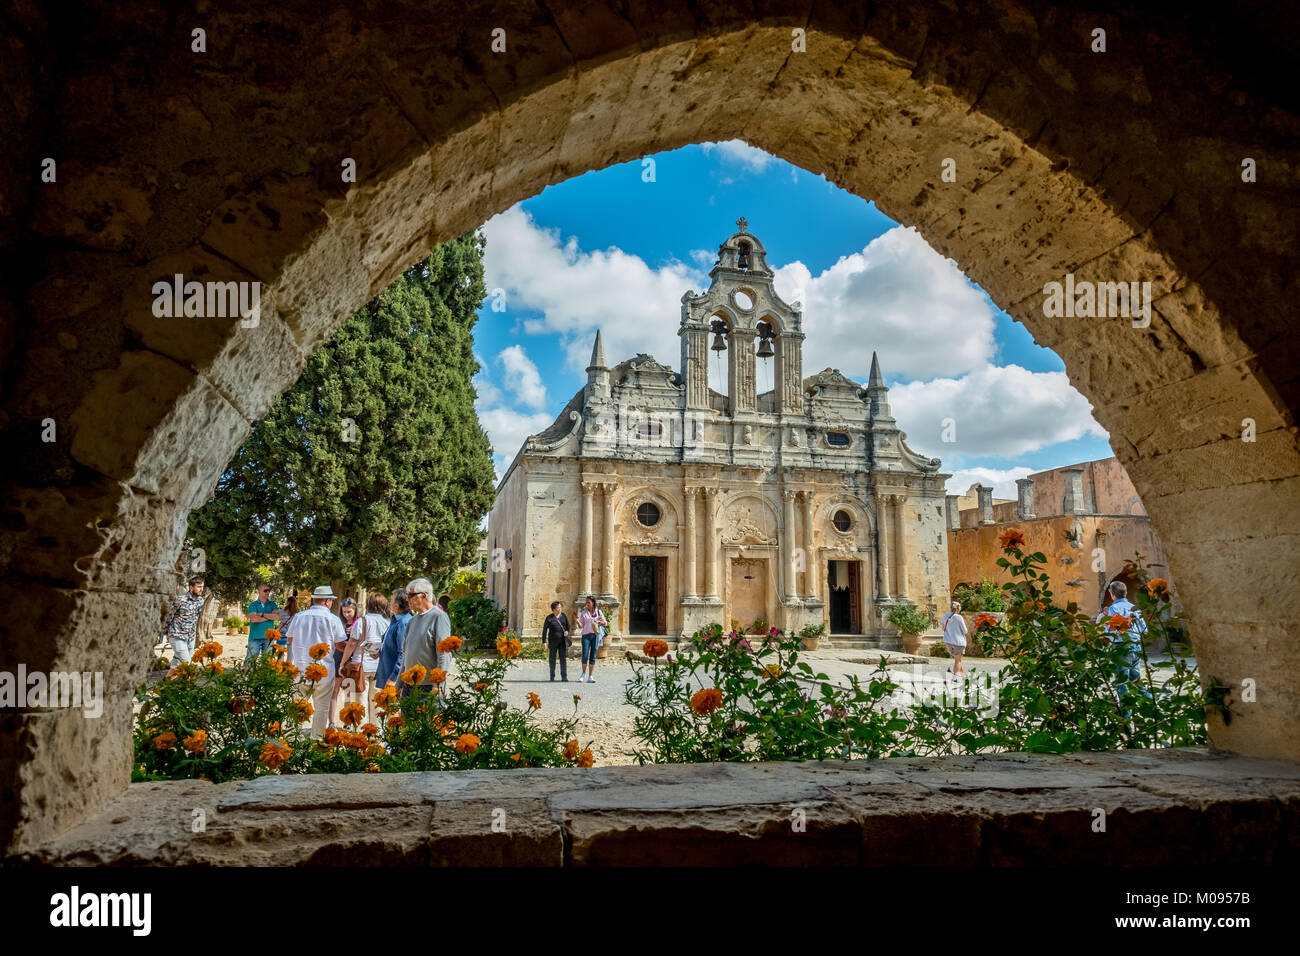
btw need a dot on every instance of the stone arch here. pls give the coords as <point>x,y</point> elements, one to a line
<point>631,499</point>
<point>864,521</point>
<point>233,175</point>
<point>732,505</point>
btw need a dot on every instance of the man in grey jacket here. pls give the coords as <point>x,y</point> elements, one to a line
<point>428,626</point>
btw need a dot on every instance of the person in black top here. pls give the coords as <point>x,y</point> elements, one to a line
<point>555,634</point>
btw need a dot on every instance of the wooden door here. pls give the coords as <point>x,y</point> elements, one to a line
<point>661,594</point>
<point>855,597</point>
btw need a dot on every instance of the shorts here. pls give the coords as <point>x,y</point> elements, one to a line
<point>955,649</point>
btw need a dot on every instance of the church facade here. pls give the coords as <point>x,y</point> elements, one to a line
<point>679,506</point>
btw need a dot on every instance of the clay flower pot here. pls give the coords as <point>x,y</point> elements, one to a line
<point>810,643</point>
<point>911,643</point>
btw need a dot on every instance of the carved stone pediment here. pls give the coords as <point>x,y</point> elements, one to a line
<point>745,527</point>
<point>832,383</point>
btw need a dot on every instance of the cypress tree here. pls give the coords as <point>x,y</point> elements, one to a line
<point>373,468</point>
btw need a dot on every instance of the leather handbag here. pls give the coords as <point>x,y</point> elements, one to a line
<point>350,669</point>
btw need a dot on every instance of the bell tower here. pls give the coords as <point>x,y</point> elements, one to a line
<point>742,315</point>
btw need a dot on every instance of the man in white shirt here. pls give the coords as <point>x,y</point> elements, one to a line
<point>316,625</point>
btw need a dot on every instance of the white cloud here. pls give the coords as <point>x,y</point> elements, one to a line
<point>1003,481</point>
<point>574,292</point>
<point>522,377</point>
<point>736,151</point>
<point>507,428</point>
<point>898,297</point>
<point>1000,411</point>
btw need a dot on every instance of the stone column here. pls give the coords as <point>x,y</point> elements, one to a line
<point>584,568</point>
<point>882,541</point>
<point>952,511</point>
<point>811,568</point>
<point>689,578</point>
<point>790,542</point>
<point>900,552</point>
<point>1024,497</point>
<point>607,535</point>
<point>985,495</point>
<point>1074,501</point>
<point>711,543</point>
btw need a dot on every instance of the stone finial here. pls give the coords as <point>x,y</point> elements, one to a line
<point>876,380</point>
<point>1074,500</point>
<point>985,496</point>
<point>1025,498</point>
<point>597,353</point>
<point>953,511</point>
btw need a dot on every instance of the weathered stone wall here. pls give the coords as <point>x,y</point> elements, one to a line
<point>1172,808</point>
<point>225,165</point>
<point>973,554</point>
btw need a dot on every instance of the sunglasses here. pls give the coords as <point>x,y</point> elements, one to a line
<point>347,602</point>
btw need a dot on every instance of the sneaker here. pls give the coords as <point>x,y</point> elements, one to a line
<point>582,678</point>
<point>591,680</point>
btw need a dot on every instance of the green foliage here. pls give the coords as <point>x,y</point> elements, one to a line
<point>468,582</point>
<point>813,632</point>
<point>987,596</point>
<point>250,712</point>
<point>909,619</point>
<point>476,620</point>
<point>1060,691</point>
<point>373,467</point>
<point>233,622</point>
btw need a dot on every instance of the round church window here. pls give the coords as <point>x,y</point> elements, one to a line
<point>842,521</point>
<point>648,514</point>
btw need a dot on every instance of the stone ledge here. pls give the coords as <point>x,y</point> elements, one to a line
<point>1182,807</point>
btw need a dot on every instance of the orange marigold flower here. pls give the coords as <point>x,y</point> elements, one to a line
<point>706,701</point>
<point>481,687</point>
<point>467,743</point>
<point>333,736</point>
<point>1158,588</point>
<point>274,754</point>
<point>353,713</point>
<point>515,756</point>
<point>1118,622</point>
<point>1011,538</point>
<point>279,650</point>
<point>288,668</point>
<point>196,741</point>
<point>164,741</point>
<point>534,702</point>
<point>437,675</point>
<point>315,672</point>
<point>216,667</point>
<point>304,709</point>
<point>241,705</point>
<point>318,651</point>
<point>372,768</point>
<point>985,620</point>
<point>184,669</point>
<point>654,648</point>
<point>577,697</point>
<point>273,728</point>
<point>586,758</point>
<point>369,729</point>
<point>509,647</point>
<point>570,750</point>
<point>415,675</point>
<point>211,650</point>
<point>271,634</point>
<point>396,720</point>
<point>354,741</point>
<point>449,645</point>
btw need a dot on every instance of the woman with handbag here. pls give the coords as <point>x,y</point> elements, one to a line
<point>348,666</point>
<point>591,620</point>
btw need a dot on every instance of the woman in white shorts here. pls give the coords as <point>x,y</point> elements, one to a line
<point>954,637</point>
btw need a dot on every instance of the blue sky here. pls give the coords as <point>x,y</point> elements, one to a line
<point>611,250</point>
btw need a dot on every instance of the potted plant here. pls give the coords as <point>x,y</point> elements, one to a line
<point>811,636</point>
<point>911,624</point>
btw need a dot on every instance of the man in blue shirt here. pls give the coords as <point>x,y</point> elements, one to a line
<point>1128,671</point>
<point>390,652</point>
<point>261,618</point>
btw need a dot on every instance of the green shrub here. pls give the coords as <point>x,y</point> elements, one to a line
<point>909,619</point>
<point>476,620</point>
<point>986,596</point>
<point>233,622</point>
